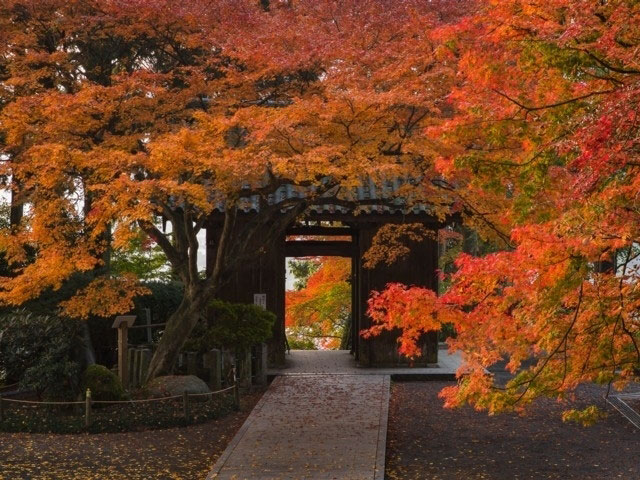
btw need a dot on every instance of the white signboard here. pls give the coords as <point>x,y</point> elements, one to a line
<point>260,299</point>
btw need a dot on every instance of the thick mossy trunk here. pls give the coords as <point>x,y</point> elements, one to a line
<point>177,330</point>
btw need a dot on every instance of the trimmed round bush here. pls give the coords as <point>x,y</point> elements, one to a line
<point>103,383</point>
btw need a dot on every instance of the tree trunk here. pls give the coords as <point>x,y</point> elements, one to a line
<point>87,345</point>
<point>345,341</point>
<point>177,330</point>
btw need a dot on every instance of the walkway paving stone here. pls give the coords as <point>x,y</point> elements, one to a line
<point>341,362</point>
<point>313,426</point>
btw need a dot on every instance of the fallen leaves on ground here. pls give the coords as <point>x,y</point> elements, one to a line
<point>426,441</point>
<point>173,454</point>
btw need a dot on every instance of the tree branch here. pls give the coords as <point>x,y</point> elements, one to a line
<point>173,255</point>
<point>529,108</point>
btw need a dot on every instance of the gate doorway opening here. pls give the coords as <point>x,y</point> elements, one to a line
<point>319,303</point>
<point>328,234</point>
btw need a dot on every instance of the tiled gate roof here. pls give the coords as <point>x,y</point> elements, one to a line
<point>368,199</point>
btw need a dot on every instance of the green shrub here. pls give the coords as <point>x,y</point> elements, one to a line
<point>39,352</point>
<point>235,326</point>
<point>103,383</point>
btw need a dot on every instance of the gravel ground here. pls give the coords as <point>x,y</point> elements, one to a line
<point>426,442</point>
<point>177,453</point>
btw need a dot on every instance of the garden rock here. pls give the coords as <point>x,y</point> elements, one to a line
<point>171,385</point>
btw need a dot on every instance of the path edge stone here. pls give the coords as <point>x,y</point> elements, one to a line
<point>381,448</point>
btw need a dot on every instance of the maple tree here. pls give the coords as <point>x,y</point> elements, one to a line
<point>543,153</point>
<point>321,309</point>
<point>301,270</point>
<point>117,114</point>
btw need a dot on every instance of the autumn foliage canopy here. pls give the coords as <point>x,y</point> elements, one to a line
<point>516,118</point>
<point>117,116</point>
<point>544,148</point>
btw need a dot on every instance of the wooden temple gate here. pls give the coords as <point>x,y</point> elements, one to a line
<point>344,235</point>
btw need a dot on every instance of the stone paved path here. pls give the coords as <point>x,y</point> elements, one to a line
<point>315,426</point>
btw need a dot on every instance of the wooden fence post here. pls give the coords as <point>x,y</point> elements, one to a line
<point>123,323</point>
<point>185,406</point>
<point>87,409</point>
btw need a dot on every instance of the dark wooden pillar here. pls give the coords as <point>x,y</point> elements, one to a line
<point>355,306</point>
<point>275,288</point>
<point>263,273</point>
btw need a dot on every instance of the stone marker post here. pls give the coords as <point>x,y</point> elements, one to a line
<point>228,362</point>
<point>134,380</point>
<point>145,360</point>
<point>192,363</point>
<point>261,377</point>
<point>147,312</point>
<point>213,362</point>
<point>131,360</point>
<point>122,323</point>
<point>243,368</point>
<point>180,360</point>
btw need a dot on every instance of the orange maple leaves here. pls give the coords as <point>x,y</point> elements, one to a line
<point>413,310</point>
<point>543,160</point>
<point>114,114</point>
<point>105,297</point>
<point>322,308</point>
